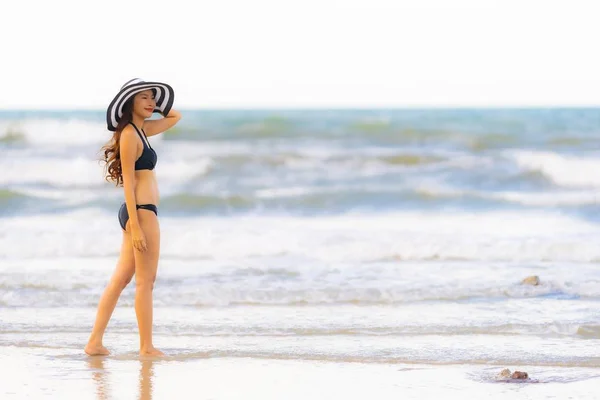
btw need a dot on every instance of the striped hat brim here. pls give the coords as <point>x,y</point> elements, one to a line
<point>164,96</point>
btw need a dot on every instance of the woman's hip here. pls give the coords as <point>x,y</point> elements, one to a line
<point>124,214</point>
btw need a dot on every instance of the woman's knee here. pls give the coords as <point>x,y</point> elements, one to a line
<point>144,286</point>
<point>145,282</point>
<point>121,282</point>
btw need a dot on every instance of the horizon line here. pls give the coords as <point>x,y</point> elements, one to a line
<point>322,108</point>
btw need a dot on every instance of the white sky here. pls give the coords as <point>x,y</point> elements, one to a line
<point>309,53</point>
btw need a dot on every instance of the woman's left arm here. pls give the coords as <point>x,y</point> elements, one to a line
<point>156,126</point>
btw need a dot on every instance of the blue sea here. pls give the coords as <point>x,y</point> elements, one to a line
<point>370,238</point>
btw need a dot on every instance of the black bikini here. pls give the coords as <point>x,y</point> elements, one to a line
<point>148,158</point>
<point>124,215</point>
<point>146,161</point>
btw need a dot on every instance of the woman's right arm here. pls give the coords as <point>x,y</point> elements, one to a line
<point>128,150</point>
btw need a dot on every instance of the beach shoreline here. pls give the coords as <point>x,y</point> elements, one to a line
<point>37,373</point>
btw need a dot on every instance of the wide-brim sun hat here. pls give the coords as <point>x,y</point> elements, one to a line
<point>163,94</point>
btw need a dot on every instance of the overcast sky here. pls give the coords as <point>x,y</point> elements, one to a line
<point>309,53</point>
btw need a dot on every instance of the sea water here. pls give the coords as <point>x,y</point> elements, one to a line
<point>370,238</point>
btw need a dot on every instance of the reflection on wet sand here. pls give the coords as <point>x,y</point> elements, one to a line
<point>100,377</point>
<point>146,376</point>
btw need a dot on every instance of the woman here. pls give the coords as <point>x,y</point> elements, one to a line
<point>130,162</point>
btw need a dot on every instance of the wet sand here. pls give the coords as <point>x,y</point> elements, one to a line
<point>30,372</point>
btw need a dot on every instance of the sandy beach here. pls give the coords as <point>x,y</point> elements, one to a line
<point>56,373</point>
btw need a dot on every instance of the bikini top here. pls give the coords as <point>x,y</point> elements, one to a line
<point>148,158</point>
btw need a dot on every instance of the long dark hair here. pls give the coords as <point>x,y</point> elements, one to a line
<point>112,153</point>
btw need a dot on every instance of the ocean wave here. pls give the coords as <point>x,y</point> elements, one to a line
<point>265,182</point>
<point>184,203</point>
<point>9,195</point>
<point>550,199</point>
<point>474,130</point>
<point>408,159</point>
<point>382,133</point>
<point>585,331</point>
<point>274,126</point>
<point>304,158</point>
<point>287,288</point>
<point>11,135</point>
<point>562,170</point>
<point>56,171</point>
<point>318,200</point>
<point>80,191</point>
<point>432,191</point>
<point>13,201</point>
<point>474,142</point>
<point>572,141</point>
<point>53,132</point>
<point>419,235</point>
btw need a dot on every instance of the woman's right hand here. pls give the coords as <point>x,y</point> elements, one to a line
<point>138,239</point>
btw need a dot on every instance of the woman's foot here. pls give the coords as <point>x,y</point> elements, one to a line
<point>151,352</point>
<point>96,349</point>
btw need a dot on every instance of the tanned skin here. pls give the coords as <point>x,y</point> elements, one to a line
<point>140,246</point>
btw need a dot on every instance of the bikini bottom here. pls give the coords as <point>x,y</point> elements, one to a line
<point>124,215</point>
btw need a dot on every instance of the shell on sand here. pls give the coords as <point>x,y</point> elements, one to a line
<point>533,280</point>
<point>505,373</point>
<point>519,375</point>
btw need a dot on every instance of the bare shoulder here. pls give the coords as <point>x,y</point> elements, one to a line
<point>128,135</point>
<point>128,131</point>
<point>129,140</point>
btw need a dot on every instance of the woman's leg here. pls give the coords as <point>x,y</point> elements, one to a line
<point>146,264</point>
<point>119,280</point>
